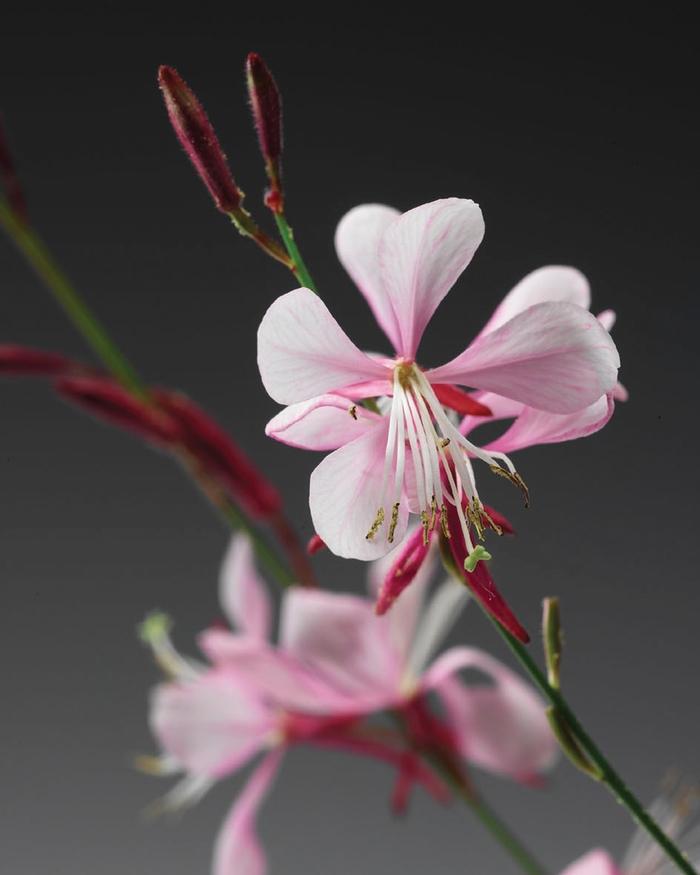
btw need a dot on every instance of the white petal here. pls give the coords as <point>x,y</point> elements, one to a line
<point>303,352</point>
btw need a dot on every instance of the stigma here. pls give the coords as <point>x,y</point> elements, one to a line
<point>424,445</point>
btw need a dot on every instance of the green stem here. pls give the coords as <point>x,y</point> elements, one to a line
<point>608,775</point>
<point>299,269</point>
<point>267,557</point>
<point>39,259</point>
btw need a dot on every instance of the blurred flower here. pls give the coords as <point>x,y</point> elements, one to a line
<point>673,812</point>
<point>552,356</point>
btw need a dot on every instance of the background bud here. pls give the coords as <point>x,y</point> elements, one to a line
<point>24,361</point>
<point>266,105</point>
<point>197,136</point>
<point>10,180</point>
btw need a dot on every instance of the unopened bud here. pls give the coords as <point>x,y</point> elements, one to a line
<point>218,454</point>
<point>10,181</point>
<point>110,402</point>
<point>552,639</point>
<point>570,745</point>
<point>266,105</point>
<point>197,136</point>
<point>23,361</point>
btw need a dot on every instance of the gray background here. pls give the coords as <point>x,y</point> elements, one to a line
<point>578,139</point>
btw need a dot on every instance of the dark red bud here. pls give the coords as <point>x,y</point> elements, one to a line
<point>315,545</point>
<point>266,105</point>
<point>108,401</point>
<point>10,180</point>
<point>459,400</point>
<point>215,450</point>
<point>23,361</point>
<point>403,571</point>
<point>197,136</point>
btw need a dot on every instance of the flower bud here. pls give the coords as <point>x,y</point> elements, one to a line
<point>110,402</point>
<point>195,133</point>
<point>10,181</point>
<point>315,545</point>
<point>218,454</point>
<point>23,361</point>
<point>552,639</point>
<point>266,105</point>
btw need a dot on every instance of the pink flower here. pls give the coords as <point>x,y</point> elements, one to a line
<point>644,857</point>
<point>553,356</point>
<point>336,664</point>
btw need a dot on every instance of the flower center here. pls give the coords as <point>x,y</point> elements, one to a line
<point>439,463</point>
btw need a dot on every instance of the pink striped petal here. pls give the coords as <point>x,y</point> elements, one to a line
<point>238,850</point>
<point>502,727</point>
<point>421,256</point>
<point>552,283</point>
<point>242,591</point>
<point>553,356</point>
<point>340,637</point>
<point>345,494</point>
<point>357,244</point>
<point>211,725</point>
<point>535,427</point>
<point>303,352</point>
<point>596,862</point>
<point>323,423</point>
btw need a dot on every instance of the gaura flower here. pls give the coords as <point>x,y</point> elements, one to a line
<point>552,356</point>
<point>672,812</point>
<point>335,665</point>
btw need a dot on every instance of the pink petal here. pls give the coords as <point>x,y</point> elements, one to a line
<point>534,427</point>
<point>212,725</point>
<point>242,591</point>
<point>303,352</point>
<point>238,850</point>
<point>278,677</point>
<point>552,283</point>
<point>596,862</point>
<point>345,494</point>
<point>357,244</point>
<point>421,256</point>
<point>502,727</point>
<point>323,423</point>
<point>554,356</point>
<point>340,638</point>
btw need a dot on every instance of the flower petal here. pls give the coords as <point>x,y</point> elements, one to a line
<point>345,494</point>
<point>323,423</point>
<point>535,427</point>
<point>554,356</point>
<point>552,283</point>
<point>276,676</point>
<point>212,725</point>
<point>238,850</point>
<point>357,244</point>
<point>421,256</point>
<point>502,727</point>
<point>596,862</point>
<point>242,591</point>
<point>303,352</point>
<point>340,637</point>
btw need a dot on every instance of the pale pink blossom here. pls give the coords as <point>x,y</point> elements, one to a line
<point>552,356</point>
<point>336,664</point>
<point>673,813</point>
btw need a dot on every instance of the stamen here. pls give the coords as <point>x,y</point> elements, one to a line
<point>445,442</point>
<point>376,525</point>
<point>444,527</point>
<point>425,522</point>
<point>394,521</point>
<point>353,411</point>
<point>514,478</point>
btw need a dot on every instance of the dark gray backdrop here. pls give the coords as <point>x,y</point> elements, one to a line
<point>579,138</point>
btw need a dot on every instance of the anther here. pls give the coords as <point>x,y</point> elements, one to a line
<point>444,442</point>
<point>376,525</point>
<point>425,522</point>
<point>393,523</point>
<point>514,478</point>
<point>444,527</point>
<point>353,411</point>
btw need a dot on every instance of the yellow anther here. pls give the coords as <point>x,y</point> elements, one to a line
<point>433,513</point>
<point>393,523</point>
<point>444,442</point>
<point>514,478</point>
<point>376,525</point>
<point>444,527</point>
<point>474,515</point>
<point>425,522</point>
<point>353,411</point>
